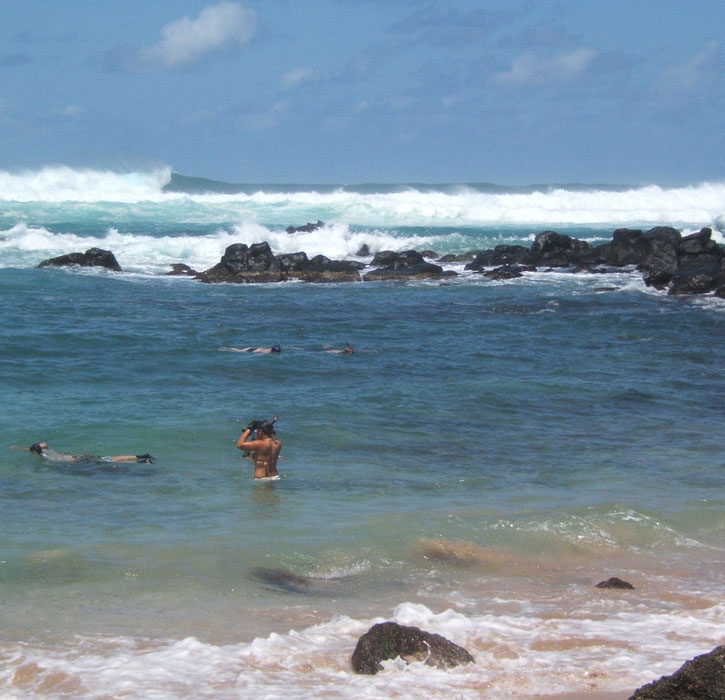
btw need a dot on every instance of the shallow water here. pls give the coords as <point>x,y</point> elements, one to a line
<point>488,454</point>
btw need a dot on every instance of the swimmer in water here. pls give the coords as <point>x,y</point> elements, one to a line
<point>265,448</point>
<point>347,350</point>
<point>42,450</point>
<point>275,348</point>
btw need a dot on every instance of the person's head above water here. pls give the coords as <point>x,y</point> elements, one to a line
<point>276,348</point>
<point>267,427</point>
<point>38,447</point>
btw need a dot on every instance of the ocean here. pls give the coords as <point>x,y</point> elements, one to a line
<point>491,451</point>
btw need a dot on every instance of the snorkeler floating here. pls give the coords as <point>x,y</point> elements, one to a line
<point>41,449</point>
<point>347,350</point>
<point>275,348</point>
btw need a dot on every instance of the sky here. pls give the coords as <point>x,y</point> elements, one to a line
<point>354,91</point>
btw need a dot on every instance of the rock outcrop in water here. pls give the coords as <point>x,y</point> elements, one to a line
<point>668,261</point>
<point>307,228</point>
<point>389,640</point>
<point>692,264</point>
<point>257,263</point>
<point>406,265</point>
<point>701,678</point>
<point>93,257</point>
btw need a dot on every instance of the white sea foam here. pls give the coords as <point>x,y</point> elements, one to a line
<point>64,184</point>
<point>520,654</point>
<point>25,244</point>
<point>687,206</point>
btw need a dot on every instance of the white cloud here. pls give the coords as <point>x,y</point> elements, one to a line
<point>187,40</point>
<point>72,111</point>
<point>263,119</point>
<point>691,75</point>
<point>297,76</point>
<point>531,69</point>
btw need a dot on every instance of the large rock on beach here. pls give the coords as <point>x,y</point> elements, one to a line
<point>389,640</point>
<point>93,257</point>
<point>701,678</point>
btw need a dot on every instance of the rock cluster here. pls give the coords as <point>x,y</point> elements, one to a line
<point>693,264</point>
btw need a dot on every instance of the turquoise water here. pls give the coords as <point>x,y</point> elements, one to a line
<point>489,453</point>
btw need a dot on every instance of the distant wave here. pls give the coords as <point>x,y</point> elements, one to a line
<point>188,198</point>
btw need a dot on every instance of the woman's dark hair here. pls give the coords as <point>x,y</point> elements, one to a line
<point>35,447</point>
<point>267,426</point>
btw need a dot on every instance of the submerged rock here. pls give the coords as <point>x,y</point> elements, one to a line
<point>701,678</point>
<point>182,269</point>
<point>389,640</point>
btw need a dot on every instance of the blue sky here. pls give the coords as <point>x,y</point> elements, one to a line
<point>351,91</point>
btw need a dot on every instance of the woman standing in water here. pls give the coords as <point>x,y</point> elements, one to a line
<point>265,448</point>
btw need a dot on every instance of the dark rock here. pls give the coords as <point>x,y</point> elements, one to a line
<point>324,264</point>
<point>424,271</point>
<point>700,265</point>
<point>508,272</point>
<point>430,254</point>
<point>596,255</point>
<point>323,269</point>
<point>557,249</point>
<point>289,262</point>
<point>660,264</point>
<point>307,228</point>
<point>182,270</point>
<point>392,260</point>
<point>311,275</point>
<point>664,233</point>
<point>614,582</point>
<point>629,247</point>
<point>364,251</point>
<point>389,640</point>
<point>701,678</point>
<point>697,243</point>
<point>720,293</point>
<point>243,263</point>
<point>501,255</point>
<point>406,265</point>
<point>460,258</point>
<point>93,257</point>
